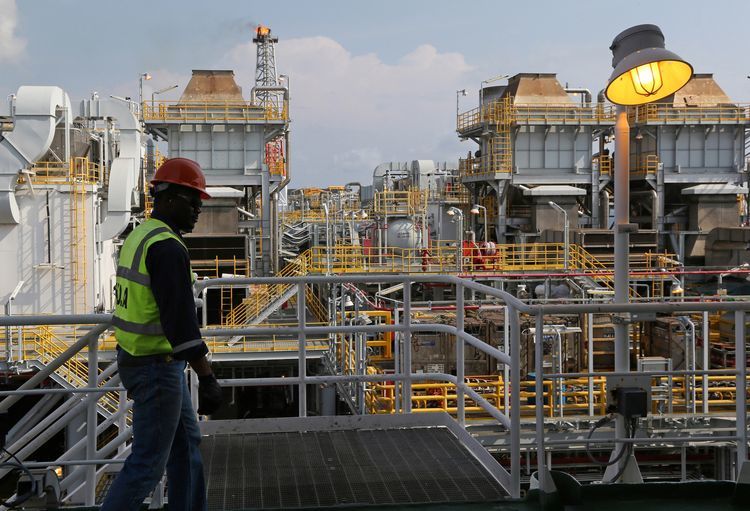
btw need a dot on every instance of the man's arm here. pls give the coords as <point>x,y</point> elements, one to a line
<point>168,265</point>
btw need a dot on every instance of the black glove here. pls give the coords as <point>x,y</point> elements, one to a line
<point>209,394</point>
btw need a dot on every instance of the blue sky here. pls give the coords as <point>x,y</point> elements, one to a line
<point>371,81</point>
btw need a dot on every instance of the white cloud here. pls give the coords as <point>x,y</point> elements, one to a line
<point>11,46</point>
<point>352,112</point>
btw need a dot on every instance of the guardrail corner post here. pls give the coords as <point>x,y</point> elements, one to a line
<point>460,376</point>
<point>302,348</point>
<point>407,369</point>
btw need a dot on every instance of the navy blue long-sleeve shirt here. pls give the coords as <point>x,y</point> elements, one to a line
<point>168,264</point>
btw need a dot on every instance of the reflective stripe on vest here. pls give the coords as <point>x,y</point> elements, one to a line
<point>136,319</point>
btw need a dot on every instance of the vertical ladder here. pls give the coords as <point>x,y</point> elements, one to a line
<point>501,147</point>
<point>78,177</point>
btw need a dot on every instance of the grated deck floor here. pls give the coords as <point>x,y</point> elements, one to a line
<point>342,468</point>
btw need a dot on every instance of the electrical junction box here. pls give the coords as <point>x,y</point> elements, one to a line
<point>629,395</point>
<point>630,402</point>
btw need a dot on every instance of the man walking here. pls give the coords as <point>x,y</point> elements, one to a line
<point>157,333</point>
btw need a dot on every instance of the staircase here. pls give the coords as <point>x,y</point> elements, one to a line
<point>598,276</point>
<point>49,344</point>
<point>265,299</point>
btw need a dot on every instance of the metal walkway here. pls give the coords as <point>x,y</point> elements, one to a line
<point>343,461</point>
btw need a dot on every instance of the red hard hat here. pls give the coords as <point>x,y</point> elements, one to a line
<point>182,171</point>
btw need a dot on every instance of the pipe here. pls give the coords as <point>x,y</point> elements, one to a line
<point>268,88</point>
<point>35,121</point>
<point>585,95</point>
<point>125,168</point>
<point>688,326</point>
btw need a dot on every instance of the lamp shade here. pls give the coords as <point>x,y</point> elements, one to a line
<point>644,71</point>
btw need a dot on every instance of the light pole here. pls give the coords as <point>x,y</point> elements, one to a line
<point>160,91</point>
<point>566,233</point>
<point>644,71</point>
<point>459,215</point>
<point>475,211</point>
<point>481,93</point>
<point>285,100</point>
<point>143,76</point>
<point>461,92</point>
<point>328,239</point>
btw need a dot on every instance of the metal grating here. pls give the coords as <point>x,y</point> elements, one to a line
<point>332,468</point>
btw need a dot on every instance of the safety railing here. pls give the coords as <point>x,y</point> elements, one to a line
<point>319,216</point>
<point>603,163</point>
<point>486,165</point>
<point>404,379</point>
<point>407,202</point>
<point>444,258</point>
<point>263,296</point>
<point>505,110</point>
<point>206,111</point>
<point>565,113</point>
<point>572,397</point>
<point>646,164</point>
<point>708,114</point>
<point>453,193</point>
<point>78,170</point>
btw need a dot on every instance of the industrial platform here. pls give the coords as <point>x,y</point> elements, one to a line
<point>322,462</point>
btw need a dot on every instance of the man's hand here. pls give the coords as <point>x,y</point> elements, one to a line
<point>209,394</point>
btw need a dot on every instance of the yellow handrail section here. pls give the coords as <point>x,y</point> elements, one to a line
<point>184,111</point>
<point>79,169</point>
<point>273,344</point>
<point>262,296</point>
<point>505,110</point>
<point>442,259</point>
<point>454,193</point>
<point>408,202</point>
<point>647,164</point>
<point>317,215</point>
<point>575,398</point>
<point>46,343</point>
<point>604,162</point>
<point>706,114</point>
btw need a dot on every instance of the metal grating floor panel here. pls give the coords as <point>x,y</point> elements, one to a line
<point>336,468</point>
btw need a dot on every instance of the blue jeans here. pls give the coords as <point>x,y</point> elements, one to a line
<point>165,435</point>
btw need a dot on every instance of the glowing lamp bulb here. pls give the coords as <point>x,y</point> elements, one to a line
<point>646,79</point>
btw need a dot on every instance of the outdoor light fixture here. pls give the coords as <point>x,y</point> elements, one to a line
<point>644,70</point>
<point>475,211</point>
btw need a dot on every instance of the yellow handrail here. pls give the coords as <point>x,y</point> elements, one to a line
<point>213,111</point>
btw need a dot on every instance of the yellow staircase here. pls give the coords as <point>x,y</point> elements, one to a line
<point>263,296</point>
<point>48,344</point>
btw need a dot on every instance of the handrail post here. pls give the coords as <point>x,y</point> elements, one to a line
<point>302,366</point>
<point>539,399</point>
<point>506,350</point>
<point>515,418</point>
<point>93,369</point>
<point>407,346</point>
<point>460,378</point>
<point>740,362</point>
